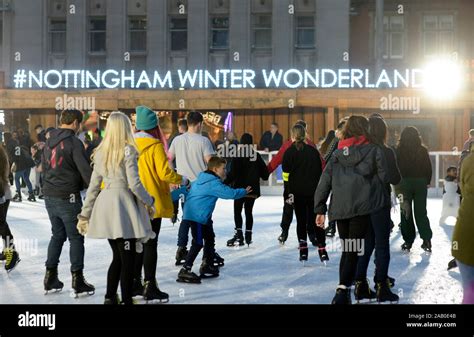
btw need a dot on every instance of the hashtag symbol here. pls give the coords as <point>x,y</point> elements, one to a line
<point>19,79</point>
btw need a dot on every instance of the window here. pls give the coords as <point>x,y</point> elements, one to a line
<point>438,34</point>
<point>179,34</point>
<point>262,31</point>
<point>57,36</point>
<point>137,34</point>
<point>304,32</point>
<point>97,35</point>
<point>220,33</point>
<point>394,37</point>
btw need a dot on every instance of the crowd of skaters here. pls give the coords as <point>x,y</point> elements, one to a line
<point>134,179</point>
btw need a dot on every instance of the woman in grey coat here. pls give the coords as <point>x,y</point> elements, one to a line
<point>117,206</point>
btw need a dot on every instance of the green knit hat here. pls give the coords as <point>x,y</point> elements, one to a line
<point>146,118</point>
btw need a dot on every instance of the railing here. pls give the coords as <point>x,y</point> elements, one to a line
<point>440,161</point>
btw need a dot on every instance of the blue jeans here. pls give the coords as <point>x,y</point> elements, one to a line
<point>378,237</point>
<point>183,233</point>
<point>63,216</point>
<point>25,174</point>
<point>203,236</point>
<point>467,276</point>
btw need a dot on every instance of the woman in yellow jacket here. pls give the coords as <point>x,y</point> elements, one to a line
<point>156,176</point>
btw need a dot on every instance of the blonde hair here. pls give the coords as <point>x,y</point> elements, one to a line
<point>298,134</point>
<point>118,134</point>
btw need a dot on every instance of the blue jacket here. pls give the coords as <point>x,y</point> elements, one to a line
<point>203,195</point>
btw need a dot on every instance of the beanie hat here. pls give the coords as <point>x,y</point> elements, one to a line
<point>146,118</point>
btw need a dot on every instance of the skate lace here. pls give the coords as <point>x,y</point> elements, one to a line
<point>8,256</point>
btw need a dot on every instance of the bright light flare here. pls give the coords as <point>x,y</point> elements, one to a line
<point>442,79</point>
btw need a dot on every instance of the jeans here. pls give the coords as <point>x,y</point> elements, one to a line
<point>351,232</point>
<point>25,174</point>
<point>183,234</point>
<point>203,236</point>
<point>63,216</point>
<point>467,276</point>
<point>378,237</point>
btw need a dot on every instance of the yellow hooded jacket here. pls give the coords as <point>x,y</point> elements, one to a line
<point>156,173</point>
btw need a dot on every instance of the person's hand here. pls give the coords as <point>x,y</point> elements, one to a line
<point>82,225</point>
<point>151,210</point>
<point>249,189</point>
<point>320,219</point>
<point>174,187</point>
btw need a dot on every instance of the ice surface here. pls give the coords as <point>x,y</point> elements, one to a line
<point>263,273</point>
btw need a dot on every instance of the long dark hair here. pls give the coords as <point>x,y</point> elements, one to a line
<point>378,130</point>
<point>4,169</point>
<point>356,126</point>
<point>410,144</point>
<point>327,141</point>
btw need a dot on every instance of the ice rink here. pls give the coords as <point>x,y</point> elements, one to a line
<point>265,272</point>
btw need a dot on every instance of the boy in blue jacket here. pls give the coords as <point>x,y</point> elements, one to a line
<point>198,208</point>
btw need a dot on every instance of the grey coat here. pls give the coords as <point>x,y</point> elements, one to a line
<point>118,210</point>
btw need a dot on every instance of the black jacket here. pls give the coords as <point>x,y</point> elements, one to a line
<point>245,172</point>
<point>393,172</point>
<point>303,168</point>
<point>415,163</point>
<point>66,169</point>
<point>357,178</point>
<point>21,158</point>
<point>272,143</point>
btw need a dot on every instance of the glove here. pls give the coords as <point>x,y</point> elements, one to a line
<point>82,225</point>
<point>151,210</point>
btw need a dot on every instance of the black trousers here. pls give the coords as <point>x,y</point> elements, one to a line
<point>287,216</point>
<point>203,236</point>
<point>247,204</point>
<point>305,221</point>
<point>352,233</point>
<point>5,232</point>
<point>149,257</point>
<point>121,269</point>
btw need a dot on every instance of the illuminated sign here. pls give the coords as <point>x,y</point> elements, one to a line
<point>218,79</point>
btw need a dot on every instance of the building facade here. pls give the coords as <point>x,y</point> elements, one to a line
<point>244,34</point>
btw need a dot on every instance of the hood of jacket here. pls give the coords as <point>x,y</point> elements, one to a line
<point>206,177</point>
<point>145,140</point>
<point>56,136</point>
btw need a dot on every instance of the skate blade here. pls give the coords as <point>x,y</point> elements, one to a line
<point>188,282</point>
<point>75,295</point>
<point>11,269</point>
<point>208,276</point>
<point>157,301</point>
<point>325,263</point>
<point>53,291</point>
<point>177,264</point>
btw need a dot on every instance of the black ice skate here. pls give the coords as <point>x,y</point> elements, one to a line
<point>362,291</point>
<point>323,255</point>
<point>80,285</point>
<point>218,260</point>
<point>181,255</point>
<point>426,246</point>
<point>187,276</point>
<point>51,281</point>
<point>137,288</point>
<point>17,197</point>
<point>406,247</point>
<point>330,231</point>
<point>237,240</point>
<point>390,280</point>
<point>283,236</point>
<point>31,197</point>
<point>452,264</point>
<point>151,293</point>
<point>248,237</point>
<point>342,297</point>
<point>112,301</point>
<point>11,259</point>
<point>303,251</point>
<point>208,270</point>
<point>384,294</point>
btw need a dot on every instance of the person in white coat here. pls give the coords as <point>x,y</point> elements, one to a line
<point>117,206</point>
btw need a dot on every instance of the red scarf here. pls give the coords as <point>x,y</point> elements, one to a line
<point>361,140</point>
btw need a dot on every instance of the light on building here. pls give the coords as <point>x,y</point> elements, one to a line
<point>442,78</point>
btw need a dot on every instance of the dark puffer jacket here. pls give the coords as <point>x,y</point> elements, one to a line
<point>357,177</point>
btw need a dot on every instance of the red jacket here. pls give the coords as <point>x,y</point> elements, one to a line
<point>278,158</point>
